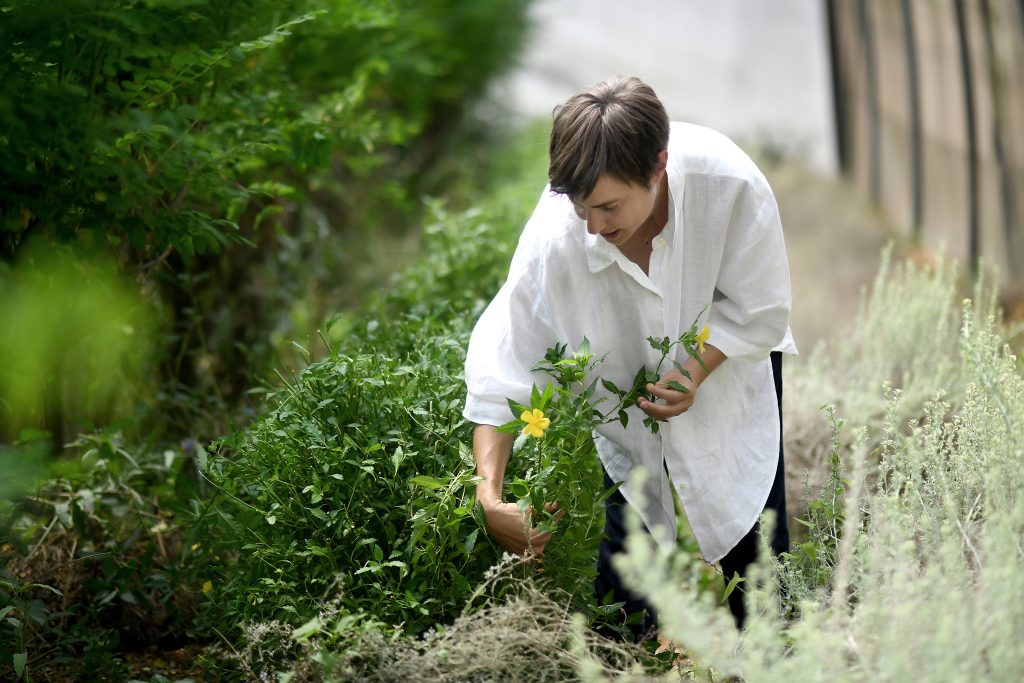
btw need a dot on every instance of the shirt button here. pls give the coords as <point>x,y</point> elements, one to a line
<point>658,242</point>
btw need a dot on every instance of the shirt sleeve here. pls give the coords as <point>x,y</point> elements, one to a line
<point>510,338</point>
<point>749,313</point>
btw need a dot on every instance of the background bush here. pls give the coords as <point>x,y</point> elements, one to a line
<point>167,131</point>
<point>247,167</point>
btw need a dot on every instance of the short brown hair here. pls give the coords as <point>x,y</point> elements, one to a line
<point>618,126</point>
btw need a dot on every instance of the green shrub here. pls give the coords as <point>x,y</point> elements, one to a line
<point>157,123</point>
<point>92,561</point>
<point>358,485</point>
<point>166,131</point>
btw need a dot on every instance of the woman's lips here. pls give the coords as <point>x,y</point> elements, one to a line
<point>611,235</point>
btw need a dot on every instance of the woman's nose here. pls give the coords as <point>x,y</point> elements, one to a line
<point>594,223</point>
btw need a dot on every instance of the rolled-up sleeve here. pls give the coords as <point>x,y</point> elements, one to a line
<point>749,313</point>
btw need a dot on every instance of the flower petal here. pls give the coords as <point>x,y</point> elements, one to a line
<point>526,417</point>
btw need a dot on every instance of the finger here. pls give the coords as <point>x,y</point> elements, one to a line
<point>553,508</point>
<point>662,411</point>
<point>667,393</point>
<point>536,543</point>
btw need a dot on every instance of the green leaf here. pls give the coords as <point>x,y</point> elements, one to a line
<point>610,386</point>
<point>19,663</point>
<point>733,582</point>
<point>428,482</point>
<point>673,384</point>
<point>306,630</point>
<point>535,400</point>
<point>682,371</point>
<point>511,427</point>
<point>516,408</point>
<point>545,397</point>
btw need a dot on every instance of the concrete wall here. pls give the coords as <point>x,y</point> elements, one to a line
<point>929,102</point>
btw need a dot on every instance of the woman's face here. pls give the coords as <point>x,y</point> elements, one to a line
<point>617,210</point>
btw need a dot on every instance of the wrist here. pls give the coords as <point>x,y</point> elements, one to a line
<point>488,498</point>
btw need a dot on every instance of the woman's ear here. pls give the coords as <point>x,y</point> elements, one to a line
<point>662,165</point>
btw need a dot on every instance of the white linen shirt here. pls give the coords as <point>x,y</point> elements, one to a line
<point>722,248</point>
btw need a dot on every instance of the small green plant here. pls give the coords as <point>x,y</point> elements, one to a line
<point>359,485</point>
<point>22,611</point>
<point>556,458</point>
<point>811,562</point>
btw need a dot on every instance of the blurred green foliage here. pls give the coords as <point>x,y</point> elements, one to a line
<point>158,123</point>
<point>77,337</point>
<point>166,131</point>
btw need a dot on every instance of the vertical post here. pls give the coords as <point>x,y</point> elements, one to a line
<point>914,95</point>
<point>1006,191</point>
<point>839,92</point>
<point>874,128</point>
<point>974,250</point>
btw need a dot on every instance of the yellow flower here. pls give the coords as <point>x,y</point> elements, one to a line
<point>535,421</point>
<point>704,335</point>
<point>207,586</point>
<point>195,547</point>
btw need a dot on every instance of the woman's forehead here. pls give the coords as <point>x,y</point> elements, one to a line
<point>607,189</point>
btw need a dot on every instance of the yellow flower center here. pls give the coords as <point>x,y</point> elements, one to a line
<point>535,421</point>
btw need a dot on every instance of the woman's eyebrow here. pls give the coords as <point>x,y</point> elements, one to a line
<point>602,205</point>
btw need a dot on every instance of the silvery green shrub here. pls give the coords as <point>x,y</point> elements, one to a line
<point>925,577</point>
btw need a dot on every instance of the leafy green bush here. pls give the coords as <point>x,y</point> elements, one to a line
<point>166,131</point>
<point>157,123</point>
<point>78,338</point>
<point>93,560</point>
<point>357,486</point>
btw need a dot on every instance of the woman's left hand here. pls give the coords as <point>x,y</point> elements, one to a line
<point>676,402</point>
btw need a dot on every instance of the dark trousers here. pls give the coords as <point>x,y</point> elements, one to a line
<point>736,560</point>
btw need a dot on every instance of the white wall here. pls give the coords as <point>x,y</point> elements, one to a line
<point>755,69</point>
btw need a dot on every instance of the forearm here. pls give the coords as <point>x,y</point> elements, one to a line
<point>491,449</point>
<point>712,357</point>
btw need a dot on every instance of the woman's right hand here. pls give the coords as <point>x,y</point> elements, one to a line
<point>512,529</point>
